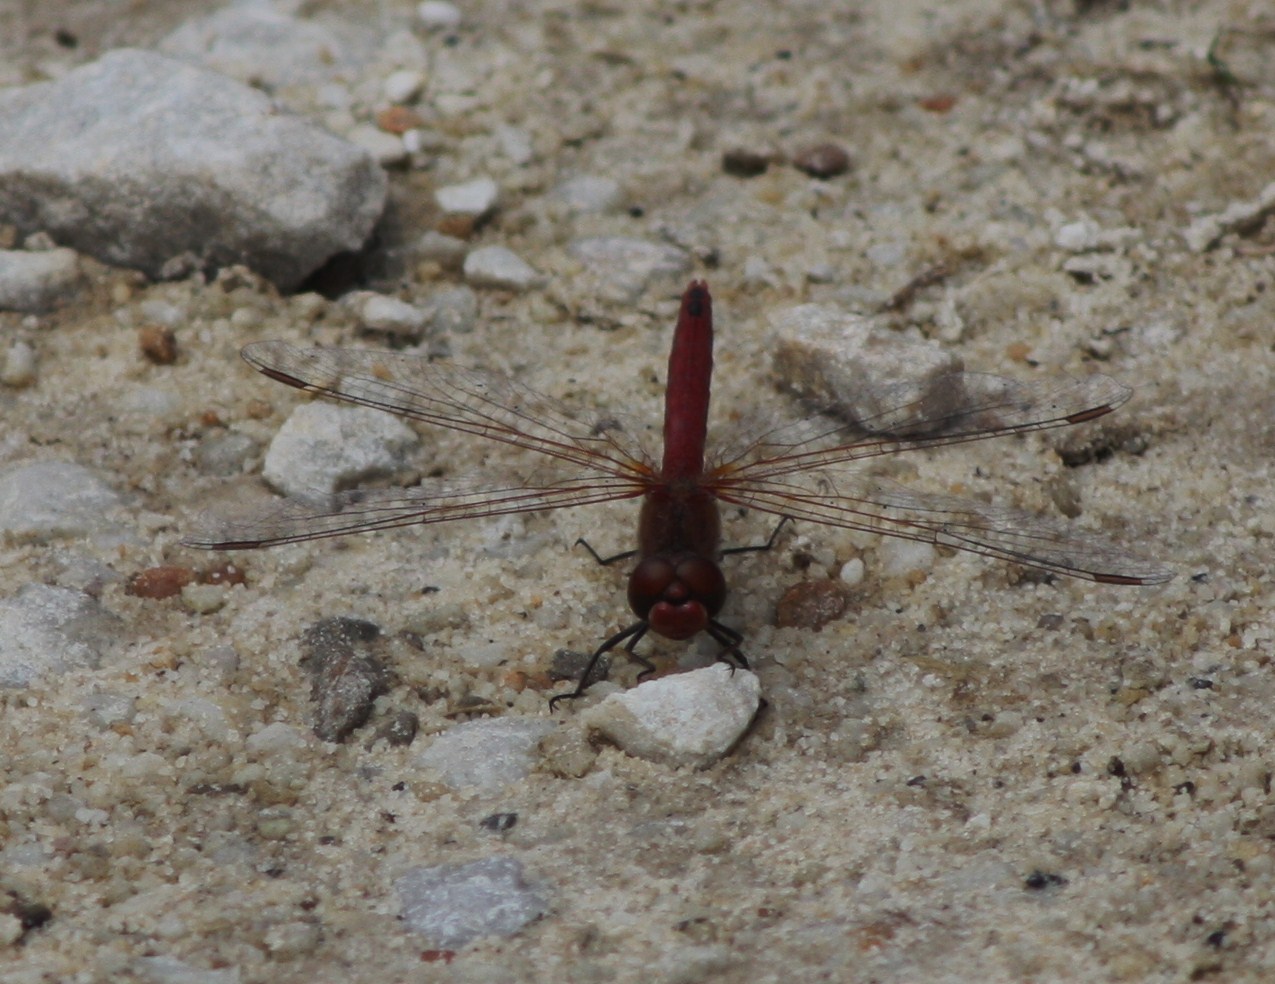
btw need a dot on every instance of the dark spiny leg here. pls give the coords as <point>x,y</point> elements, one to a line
<point>729,639</point>
<point>582,542</point>
<point>637,630</point>
<point>756,547</point>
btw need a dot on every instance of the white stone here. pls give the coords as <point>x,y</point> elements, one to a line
<point>44,500</point>
<point>322,448</point>
<point>437,13</point>
<point>388,315</point>
<point>899,557</point>
<point>473,198</point>
<point>37,281</point>
<point>403,86</point>
<point>47,630</point>
<point>688,719</point>
<point>387,148</point>
<point>454,904</point>
<point>487,754</point>
<point>19,365</point>
<point>500,268</point>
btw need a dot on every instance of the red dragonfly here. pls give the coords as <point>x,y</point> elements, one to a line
<point>677,588</point>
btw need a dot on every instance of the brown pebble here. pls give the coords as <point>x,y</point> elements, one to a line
<point>459,226</point>
<point>158,344</point>
<point>941,102</point>
<point>159,582</point>
<point>825,160</point>
<point>398,119</point>
<point>812,604</point>
<point>744,162</point>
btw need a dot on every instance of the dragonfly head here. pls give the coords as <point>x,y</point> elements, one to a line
<point>677,596</point>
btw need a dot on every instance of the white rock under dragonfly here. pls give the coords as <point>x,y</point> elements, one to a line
<point>688,719</point>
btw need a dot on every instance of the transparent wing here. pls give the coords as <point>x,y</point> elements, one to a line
<point>953,409</point>
<point>293,520</point>
<point>785,470</point>
<point>485,404</point>
<point>876,506</point>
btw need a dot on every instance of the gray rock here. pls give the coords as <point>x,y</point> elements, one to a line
<point>262,47</point>
<point>487,754</point>
<point>624,266</point>
<point>37,281</point>
<point>143,161</point>
<point>688,719</point>
<point>500,268</point>
<point>844,362</point>
<point>43,500</point>
<point>325,448</point>
<point>46,630</point>
<point>455,904</point>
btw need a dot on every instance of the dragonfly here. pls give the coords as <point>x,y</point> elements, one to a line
<point>796,471</point>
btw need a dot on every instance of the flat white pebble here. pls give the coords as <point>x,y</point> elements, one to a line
<point>37,281</point>
<point>43,500</point>
<point>403,86</point>
<point>454,904</point>
<point>688,719</point>
<point>899,557</point>
<point>437,13</point>
<point>487,754</point>
<point>474,198</point>
<point>500,268</point>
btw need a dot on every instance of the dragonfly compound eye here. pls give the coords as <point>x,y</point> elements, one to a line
<point>677,597</point>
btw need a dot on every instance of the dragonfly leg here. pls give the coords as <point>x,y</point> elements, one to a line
<point>633,634</point>
<point>604,561</point>
<point>758,547</point>
<point>729,639</point>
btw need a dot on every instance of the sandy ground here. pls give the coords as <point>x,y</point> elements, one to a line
<point>975,775</point>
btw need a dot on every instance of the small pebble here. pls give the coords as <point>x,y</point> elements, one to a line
<point>436,13</point>
<point>321,448</point>
<point>487,754</point>
<point>454,904</point>
<point>37,281</point>
<point>688,719</point>
<point>46,500</point>
<point>19,366</point>
<point>159,582</point>
<point>812,604</point>
<point>346,674</point>
<point>398,120</point>
<point>447,251</point>
<point>744,162</point>
<point>500,268</point>
<point>158,344</point>
<point>823,161</point>
<point>403,86</point>
<point>477,198</point>
<point>388,315</point>
<point>901,557</point>
<point>386,148</point>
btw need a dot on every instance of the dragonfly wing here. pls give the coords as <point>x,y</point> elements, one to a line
<point>862,503</point>
<point>293,520</point>
<point>484,404</point>
<point>954,409</point>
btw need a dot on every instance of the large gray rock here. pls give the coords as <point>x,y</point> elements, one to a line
<point>143,161</point>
